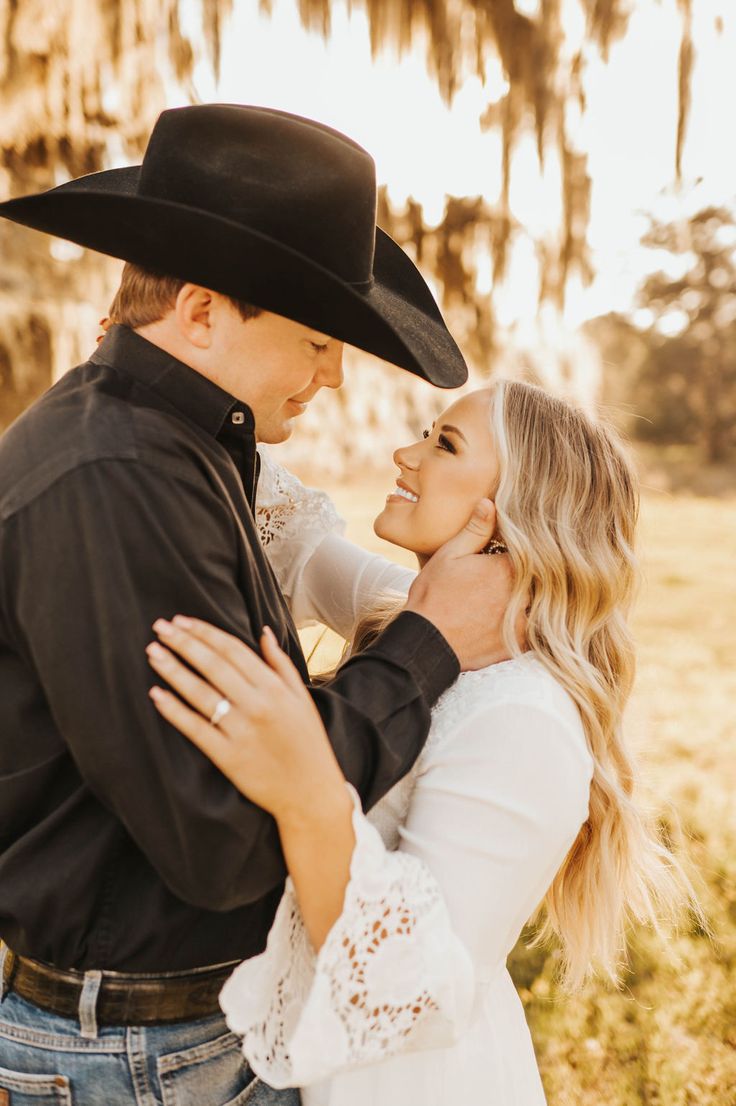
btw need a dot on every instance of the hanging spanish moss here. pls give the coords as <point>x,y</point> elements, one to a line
<point>544,78</point>
<point>684,74</point>
<point>81,84</point>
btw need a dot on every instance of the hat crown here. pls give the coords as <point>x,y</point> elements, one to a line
<point>303,184</point>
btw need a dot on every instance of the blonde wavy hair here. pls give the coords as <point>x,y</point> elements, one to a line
<point>567,506</point>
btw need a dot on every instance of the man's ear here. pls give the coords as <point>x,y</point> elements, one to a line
<point>193,313</point>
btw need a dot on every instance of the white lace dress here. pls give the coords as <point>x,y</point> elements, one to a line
<point>409,1002</point>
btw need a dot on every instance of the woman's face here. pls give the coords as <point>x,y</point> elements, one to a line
<point>442,478</point>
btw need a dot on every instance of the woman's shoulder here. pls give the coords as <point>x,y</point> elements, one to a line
<point>289,514</point>
<point>521,688</point>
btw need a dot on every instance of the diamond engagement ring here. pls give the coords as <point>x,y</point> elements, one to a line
<point>222,708</point>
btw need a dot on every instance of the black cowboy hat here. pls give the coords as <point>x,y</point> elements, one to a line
<point>269,208</point>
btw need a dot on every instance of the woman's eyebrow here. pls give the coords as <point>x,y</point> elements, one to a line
<point>454,430</point>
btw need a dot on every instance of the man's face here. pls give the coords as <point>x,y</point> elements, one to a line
<point>274,365</point>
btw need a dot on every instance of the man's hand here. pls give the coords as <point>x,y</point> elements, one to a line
<point>464,593</point>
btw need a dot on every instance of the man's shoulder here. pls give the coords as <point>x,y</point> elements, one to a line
<point>93,414</point>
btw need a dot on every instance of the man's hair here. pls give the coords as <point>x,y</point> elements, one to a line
<point>145,297</point>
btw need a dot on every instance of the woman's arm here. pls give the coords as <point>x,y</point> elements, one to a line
<point>323,576</point>
<point>318,844</point>
<point>340,583</point>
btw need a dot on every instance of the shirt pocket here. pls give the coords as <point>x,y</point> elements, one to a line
<point>214,1072</point>
<point>19,1089</point>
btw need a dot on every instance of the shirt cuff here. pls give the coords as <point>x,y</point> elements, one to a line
<point>415,644</point>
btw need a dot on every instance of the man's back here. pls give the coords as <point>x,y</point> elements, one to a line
<point>114,505</point>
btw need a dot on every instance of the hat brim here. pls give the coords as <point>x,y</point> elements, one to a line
<point>395,318</point>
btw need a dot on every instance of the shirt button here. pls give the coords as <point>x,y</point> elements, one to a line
<point>237,418</point>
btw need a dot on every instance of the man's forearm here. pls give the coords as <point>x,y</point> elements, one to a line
<point>377,709</point>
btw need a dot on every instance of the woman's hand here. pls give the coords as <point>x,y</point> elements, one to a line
<point>271,743</point>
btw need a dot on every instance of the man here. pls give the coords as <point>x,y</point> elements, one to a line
<point>132,876</point>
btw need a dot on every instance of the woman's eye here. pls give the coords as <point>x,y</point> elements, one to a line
<point>425,433</point>
<point>445,443</point>
<point>318,347</point>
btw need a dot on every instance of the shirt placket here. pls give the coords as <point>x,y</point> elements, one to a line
<point>238,437</point>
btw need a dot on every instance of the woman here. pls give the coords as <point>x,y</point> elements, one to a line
<point>384,980</point>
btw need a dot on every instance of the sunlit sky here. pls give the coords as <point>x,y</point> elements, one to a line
<point>426,150</point>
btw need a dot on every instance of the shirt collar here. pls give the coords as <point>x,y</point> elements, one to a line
<point>192,394</point>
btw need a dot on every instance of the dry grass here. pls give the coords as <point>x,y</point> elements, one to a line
<point>668,1038</point>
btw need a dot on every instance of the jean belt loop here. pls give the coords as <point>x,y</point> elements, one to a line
<point>4,954</point>
<point>88,1004</point>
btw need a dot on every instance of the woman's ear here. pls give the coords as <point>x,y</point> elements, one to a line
<point>496,544</point>
<point>488,507</point>
<point>193,313</point>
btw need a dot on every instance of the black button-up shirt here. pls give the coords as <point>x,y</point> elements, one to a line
<point>126,493</point>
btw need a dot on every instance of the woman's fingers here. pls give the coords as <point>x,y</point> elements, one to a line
<point>198,693</point>
<point>236,681</point>
<point>235,651</point>
<point>279,661</point>
<point>207,738</point>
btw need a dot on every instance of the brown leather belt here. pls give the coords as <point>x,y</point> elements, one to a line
<point>124,998</point>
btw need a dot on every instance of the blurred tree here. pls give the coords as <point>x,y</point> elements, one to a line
<point>674,381</point>
<point>691,374</point>
<point>81,84</point>
<point>623,348</point>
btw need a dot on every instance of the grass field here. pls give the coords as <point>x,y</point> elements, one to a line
<point>668,1037</point>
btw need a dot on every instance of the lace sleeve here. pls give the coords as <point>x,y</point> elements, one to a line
<point>292,520</point>
<point>323,576</point>
<point>391,976</point>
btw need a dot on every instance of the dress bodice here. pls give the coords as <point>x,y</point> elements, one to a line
<point>522,678</point>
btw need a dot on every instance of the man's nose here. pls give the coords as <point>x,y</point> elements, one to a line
<point>330,373</point>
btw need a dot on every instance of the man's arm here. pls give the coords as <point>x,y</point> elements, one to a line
<point>128,544</point>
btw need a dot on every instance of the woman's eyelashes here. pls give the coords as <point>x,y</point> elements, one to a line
<point>442,442</point>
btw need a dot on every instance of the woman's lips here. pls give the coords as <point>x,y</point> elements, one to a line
<point>402,495</point>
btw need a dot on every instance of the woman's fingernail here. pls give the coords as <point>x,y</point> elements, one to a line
<point>183,621</point>
<point>269,633</point>
<point>162,627</point>
<point>156,651</point>
<point>156,693</point>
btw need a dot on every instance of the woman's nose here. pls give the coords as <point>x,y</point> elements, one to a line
<point>405,457</point>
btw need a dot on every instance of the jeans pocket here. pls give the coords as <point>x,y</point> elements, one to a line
<point>19,1089</point>
<point>214,1072</point>
<point>260,1094</point>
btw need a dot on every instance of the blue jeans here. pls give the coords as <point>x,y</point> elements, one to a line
<point>46,1060</point>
